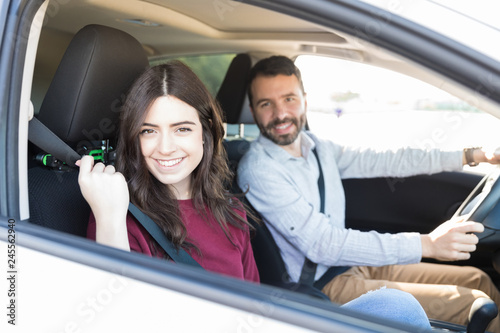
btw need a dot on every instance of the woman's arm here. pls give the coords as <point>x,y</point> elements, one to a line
<point>107,194</point>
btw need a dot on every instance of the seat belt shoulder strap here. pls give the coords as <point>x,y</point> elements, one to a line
<point>177,255</point>
<point>309,268</point>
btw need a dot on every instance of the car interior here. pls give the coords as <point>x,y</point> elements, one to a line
<point>89,68</point>
<point>90,53</point>
<point>90,78</point>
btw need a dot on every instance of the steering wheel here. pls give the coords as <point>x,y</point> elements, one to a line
<point>482,206</point>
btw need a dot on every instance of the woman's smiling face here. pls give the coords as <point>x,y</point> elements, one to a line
<point>172,143</point>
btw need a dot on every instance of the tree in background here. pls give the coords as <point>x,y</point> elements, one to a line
<point>211,69</point>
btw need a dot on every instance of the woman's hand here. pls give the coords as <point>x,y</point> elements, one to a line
<point>107,194</point>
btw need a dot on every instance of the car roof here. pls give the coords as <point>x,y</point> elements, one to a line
<point>170,28</point>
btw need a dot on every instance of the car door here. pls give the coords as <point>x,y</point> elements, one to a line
<point>63,283</point>
<point>58,282</point>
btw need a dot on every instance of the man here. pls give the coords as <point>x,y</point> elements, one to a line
<point>281,173</point>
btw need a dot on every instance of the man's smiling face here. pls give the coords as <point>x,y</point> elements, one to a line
<point>279,107</point>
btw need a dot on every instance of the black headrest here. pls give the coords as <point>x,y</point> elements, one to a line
<point>85,95</point>
<point>232,92</point>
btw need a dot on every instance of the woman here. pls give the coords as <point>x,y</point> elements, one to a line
<point>171,160</point>
<point>171,164</point>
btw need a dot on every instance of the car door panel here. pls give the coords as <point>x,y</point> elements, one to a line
<point>417,203</point>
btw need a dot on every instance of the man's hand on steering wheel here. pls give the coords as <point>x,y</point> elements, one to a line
<point>452,240</point>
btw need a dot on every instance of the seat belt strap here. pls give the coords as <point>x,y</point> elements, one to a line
<point>309,268</point>
<point>177,255</point>
<point>332,272</point>
<point>45,139</point>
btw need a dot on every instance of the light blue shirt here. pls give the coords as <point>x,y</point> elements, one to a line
<point>284,190</point>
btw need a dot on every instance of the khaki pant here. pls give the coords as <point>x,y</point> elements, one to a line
<point>446,292</point>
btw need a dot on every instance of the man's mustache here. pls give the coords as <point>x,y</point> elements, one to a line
<point>277,122</point>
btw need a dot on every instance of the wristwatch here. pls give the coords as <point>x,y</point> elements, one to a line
<point>469,156</point>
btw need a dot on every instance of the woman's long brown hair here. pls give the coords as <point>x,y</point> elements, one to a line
<point>210,177</point>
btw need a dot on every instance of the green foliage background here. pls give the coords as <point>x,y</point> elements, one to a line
<point>211,69</point>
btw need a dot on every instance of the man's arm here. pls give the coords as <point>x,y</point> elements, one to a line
<point>404,162</point>
<point>283,205</point>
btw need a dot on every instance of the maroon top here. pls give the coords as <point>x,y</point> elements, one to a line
<point>218,254</point>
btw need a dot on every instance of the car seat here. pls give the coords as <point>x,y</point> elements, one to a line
<point>81,107</point>
<point>232,96</point>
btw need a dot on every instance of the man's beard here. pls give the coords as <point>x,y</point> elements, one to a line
<point>284,139</point>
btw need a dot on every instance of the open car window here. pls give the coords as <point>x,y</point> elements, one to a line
<point>370,107</point>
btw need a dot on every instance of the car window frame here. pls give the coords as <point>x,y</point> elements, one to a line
<point>279,304</point>
<point>95,255</point>
<point>18,17</point>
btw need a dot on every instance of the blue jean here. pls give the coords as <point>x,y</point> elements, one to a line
<point>392,304</point>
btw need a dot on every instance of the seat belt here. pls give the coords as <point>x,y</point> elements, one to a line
<point>177,255</point>
<point>309,268</point>
<point>41,136</point>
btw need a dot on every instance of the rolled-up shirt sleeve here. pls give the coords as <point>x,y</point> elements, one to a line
<point>404,162</point>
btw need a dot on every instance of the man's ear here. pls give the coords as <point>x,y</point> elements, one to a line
<point>305,101</point>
